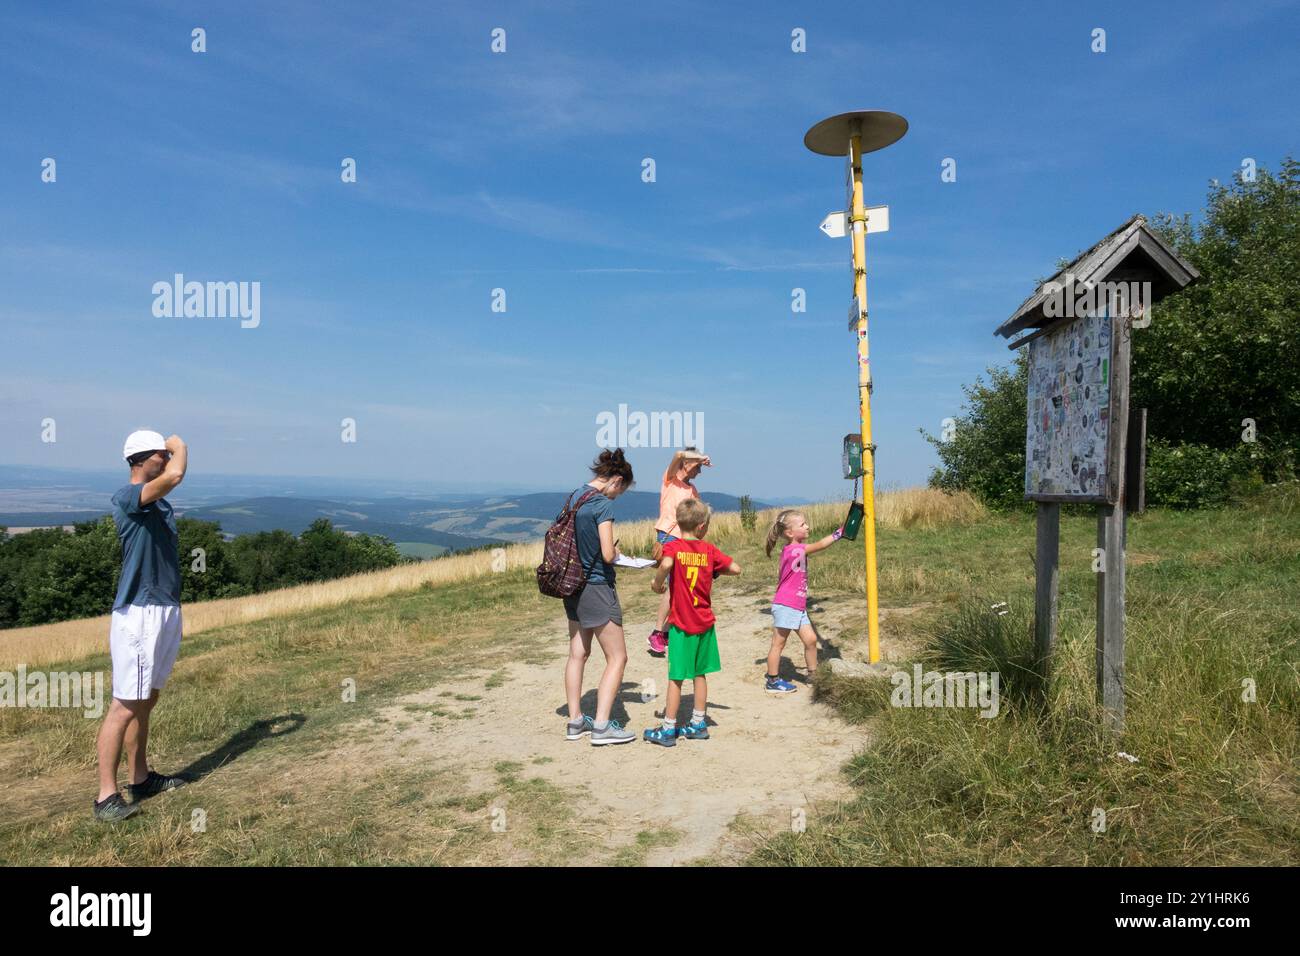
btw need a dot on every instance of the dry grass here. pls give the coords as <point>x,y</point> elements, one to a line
<point>72,640</point>
<point>926,508</point>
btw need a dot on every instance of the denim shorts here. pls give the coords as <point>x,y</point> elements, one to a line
<point>663,537</point>
<point>787,617</point>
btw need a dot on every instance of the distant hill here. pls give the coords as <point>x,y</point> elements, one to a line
<point>455,523</point>
<point>295,515</point>
<point>522,517</point>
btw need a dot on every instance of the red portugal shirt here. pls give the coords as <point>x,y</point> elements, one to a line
<point>691,581</point>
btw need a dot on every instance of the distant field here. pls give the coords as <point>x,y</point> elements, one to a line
<point>419,549</point>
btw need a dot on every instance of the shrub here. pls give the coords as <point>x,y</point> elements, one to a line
<point>748,516</point>
<point>1195,476</point>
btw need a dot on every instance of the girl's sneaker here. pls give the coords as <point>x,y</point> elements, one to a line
<point>662,736</point>
<point>695,731</point>
<point>577,729</point>
<point>777,685</point>
<point>658,642</point>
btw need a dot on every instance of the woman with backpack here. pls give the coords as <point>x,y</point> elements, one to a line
<point>593,610</point>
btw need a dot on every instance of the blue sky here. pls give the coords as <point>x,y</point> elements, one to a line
<point>522,171</point>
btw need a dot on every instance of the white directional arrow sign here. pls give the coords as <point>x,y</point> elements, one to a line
<point>836,224</point>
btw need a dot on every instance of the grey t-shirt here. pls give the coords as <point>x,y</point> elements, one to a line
<point>598,509</point>
<point>151,564</point>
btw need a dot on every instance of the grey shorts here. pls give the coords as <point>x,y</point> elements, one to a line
<point>594,606</point>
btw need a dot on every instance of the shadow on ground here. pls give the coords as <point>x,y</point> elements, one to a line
<point>242,742</point>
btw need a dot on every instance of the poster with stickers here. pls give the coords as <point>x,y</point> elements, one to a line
<point>1069,412</point>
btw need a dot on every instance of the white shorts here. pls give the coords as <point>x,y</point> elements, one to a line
<point>144,641</point>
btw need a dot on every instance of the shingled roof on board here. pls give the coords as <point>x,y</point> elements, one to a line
<point>1131,253</point>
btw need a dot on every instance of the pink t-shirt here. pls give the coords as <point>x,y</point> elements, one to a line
<point>792,584</point>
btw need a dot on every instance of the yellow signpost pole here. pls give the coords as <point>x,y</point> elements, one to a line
<point>858,223</point>
<point>853,134</point>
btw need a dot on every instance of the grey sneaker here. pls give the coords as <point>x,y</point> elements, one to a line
<point>114,808</point>
<point>577,729</point>
<point>612,734</point>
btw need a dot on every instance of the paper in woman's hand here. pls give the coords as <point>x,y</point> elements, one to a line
<point>624,561</point>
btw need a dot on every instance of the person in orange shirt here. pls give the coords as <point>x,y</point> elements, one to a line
<point>676,488</point>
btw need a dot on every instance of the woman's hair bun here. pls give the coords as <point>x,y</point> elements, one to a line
<point>611,462</point>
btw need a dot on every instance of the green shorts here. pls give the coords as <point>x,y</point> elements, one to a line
<point>692,655</point>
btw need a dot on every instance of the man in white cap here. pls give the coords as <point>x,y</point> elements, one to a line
<point>145,634</point>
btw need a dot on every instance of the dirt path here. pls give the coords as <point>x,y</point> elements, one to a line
<point>769,757</point>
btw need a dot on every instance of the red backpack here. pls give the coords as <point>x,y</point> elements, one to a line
<point>561,573</point>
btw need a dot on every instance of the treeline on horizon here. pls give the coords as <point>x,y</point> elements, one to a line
<point>1216,369</point>
<point>49,574</point>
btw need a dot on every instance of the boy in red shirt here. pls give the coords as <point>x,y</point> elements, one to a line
<point>692,563</point>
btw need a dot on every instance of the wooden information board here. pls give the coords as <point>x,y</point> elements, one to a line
<point>1069,437</point>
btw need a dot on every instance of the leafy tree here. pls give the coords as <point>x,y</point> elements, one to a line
<point>217,579</point>
<point>323,552</point>
<point>1226,349</point>
<point>20,556</point>
<point>264,561</point>
<point>370,552</point>
<point>985,452</point>
<point>75,577</point>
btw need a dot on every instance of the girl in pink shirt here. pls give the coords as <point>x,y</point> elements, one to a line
<point>790,603</point>
<point>676,488</point>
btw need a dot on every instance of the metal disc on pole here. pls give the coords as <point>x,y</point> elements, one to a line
<point>879,128</point>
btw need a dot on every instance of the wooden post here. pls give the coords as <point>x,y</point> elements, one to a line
<point>1110,614</point>
<point>1135,465</point>
<point>1111,535</point>
<point>1046,582</point>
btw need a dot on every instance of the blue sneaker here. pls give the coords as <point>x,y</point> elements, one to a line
<point>695,731</point>
<point>777,685</point>
<point>662,736</point>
